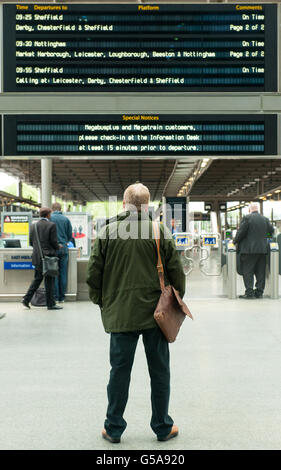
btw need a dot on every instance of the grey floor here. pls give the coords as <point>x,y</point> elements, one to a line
<point>226,377</point>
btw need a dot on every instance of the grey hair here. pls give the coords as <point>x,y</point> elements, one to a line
<point>253,207</point>
<point>136,196</point>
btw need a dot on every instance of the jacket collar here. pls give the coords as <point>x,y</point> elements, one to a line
<point>132,215</point>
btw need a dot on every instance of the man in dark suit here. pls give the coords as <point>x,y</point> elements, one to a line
<point>253,248</point>
<point>47,234</point>
<point>64,231</point>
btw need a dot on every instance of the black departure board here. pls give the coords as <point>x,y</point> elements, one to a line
<point>139,135</point>
<point>123,48</point>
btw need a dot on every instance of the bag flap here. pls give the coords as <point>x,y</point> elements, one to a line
<point>182,304</point>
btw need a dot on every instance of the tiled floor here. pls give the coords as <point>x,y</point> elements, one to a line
<point>226,377</point>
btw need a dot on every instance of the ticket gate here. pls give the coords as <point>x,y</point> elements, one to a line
<point>278,240</point>
<point>215,258</point>
<point>229,269</point>
<point>273,271</point>
<point>206,249</point>
<point>210,254</point>
<point>184,241</point>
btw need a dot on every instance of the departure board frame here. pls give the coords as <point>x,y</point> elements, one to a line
<point>139,136</point>
<point>30,73</point>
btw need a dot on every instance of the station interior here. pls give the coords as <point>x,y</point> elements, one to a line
<point>212,193</point>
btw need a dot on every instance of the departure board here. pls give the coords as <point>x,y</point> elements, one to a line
<point>123,48</point>
<point>139,135</point>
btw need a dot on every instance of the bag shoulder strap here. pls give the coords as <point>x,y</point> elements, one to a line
<point>160,268</point>
<point>38,241</point>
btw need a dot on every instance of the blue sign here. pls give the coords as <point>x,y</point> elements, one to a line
<point>182,241</point>
<point>209,241</point>
<point>8,265</point>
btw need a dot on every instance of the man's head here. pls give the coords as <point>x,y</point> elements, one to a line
<point>45,212</point>
<point>136,196</point>
<point>56,206</point>
<point>253,207</point>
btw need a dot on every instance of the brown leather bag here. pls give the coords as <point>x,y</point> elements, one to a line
<point>171,309</point>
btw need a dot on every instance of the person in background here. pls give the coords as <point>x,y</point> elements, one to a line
<point>123,280</point>
<point>47,234</point>
<point>173,226</point>
<point>71,243</point>
<point>251,239</point>
<point>64,231</point>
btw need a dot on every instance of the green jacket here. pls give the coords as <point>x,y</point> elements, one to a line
<point>122,273</point>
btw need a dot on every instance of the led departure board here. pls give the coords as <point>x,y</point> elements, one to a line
<point>139,135</point>
<point>109,47</point>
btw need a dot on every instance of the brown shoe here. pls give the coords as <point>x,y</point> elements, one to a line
<point>174,432</point>
<point>107,437</point>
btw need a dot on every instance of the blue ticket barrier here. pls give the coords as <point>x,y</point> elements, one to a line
<point>272,272</point>
<point>184,242</point>
<point>210,254</point>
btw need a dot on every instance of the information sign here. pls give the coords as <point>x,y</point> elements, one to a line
<point>210,241</point>
<point>16,226</point>
<point>140,135</point>
<point>105,47</point>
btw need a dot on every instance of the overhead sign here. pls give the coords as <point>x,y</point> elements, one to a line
<point>200,216</point>
<point>106,47</point>
<point>176,214</point>
<point>208,206</point>
<point>140,135</point>
<point>223,206</point>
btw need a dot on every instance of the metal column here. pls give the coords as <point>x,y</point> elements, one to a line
<point>187,214</point>
<point>164,218</point>
<point>231,271</point>
<point>46,182</point>
<point>274,271</point>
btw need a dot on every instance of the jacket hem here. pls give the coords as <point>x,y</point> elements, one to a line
<point>127,330</point>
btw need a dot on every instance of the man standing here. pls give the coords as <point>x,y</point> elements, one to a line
<point>47,235</point>
<point>64,231</point>
<point>253,248</point>
<point>123,281</point>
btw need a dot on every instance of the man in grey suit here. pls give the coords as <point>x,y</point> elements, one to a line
<point>253,248</point>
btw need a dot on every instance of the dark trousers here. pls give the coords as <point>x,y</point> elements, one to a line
<point>61,280</point>
<point>122,352</point>
<point>49,287</point>
<point>254,265</point>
